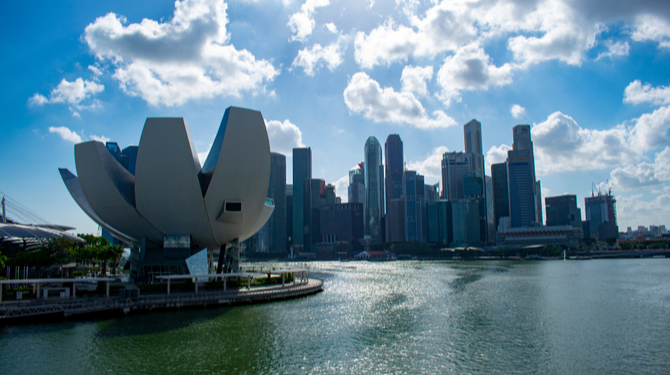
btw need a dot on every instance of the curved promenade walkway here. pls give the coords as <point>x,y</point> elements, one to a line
<point>12,310</point>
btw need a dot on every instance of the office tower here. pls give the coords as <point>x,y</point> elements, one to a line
<point>289,217</point>
<point>601,215</point>
<point>521,178</point>
<point>465,214</point>
<point>415,207</point>
<point>302,171</point>
<point>342,223</point>
<point>395,220</point>
<point>374,189</point>
<point>473,187</point>
<point>356,188</point>
<point>394,165</point>
<point>563,210</point>
<point>432,193</point>
<point>114,149</point>
<point>500,192</point>
<point>538,202</point>
<point>490,218</point>
<point>439,216</point>
<point>454,166</point>
<point>276,225</point>
<point>472,134</point>
<point>130,158</point>
<point>314,194</point>
<point>330,195</point>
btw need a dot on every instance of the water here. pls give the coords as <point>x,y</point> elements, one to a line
<point>552,317</point>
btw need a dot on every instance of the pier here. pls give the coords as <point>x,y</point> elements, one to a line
<point>73,306</point>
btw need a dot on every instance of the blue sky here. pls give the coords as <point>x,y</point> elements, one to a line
<point>592,79</point>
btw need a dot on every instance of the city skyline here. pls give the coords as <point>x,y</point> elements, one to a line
<point>328,75</point>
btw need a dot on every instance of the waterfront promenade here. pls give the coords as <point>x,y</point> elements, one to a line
<point>14,310</point>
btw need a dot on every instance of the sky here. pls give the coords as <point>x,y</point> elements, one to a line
<point>592,78</point>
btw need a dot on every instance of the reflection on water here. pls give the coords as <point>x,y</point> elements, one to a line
<point>591,317</point>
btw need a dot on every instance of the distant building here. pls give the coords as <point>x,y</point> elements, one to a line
<point>395,220</point>
<point>439,218</point>
<point>276,225</point>
<point>415,207</point>
<point>374,189</point>
<point>454,166</point>
<point>563,210</point>
<point>500,192</point>
<point>562,235</point>
<point>357,185</point>
<point>314,193</point>
<point>472,135</point>
<point>522,188</point>
<point>601,209</point>
<point>289,217</point>
<point>432,193</point>
<point>342,223</point>
<point>302,171</point>
<point>465,217</point>
<point>130,158</point>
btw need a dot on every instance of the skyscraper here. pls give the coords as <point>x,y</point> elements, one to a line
<point>314,195</point>
<point>454,166</point>
<point>563,210</point>
<point>415,207</point>
<point>472,136</point>
<point>394,164</point>
<point>500,192</point>
<point>601,215</point>
<point>374,189</point>
<point>289,217</point>
<point>521,178</point>
<point>302,171</point>
<point>276,230</point>
<point>356,188</point>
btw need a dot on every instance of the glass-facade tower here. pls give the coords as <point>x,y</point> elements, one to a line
<point>302,171</point>
<point>374,189</point>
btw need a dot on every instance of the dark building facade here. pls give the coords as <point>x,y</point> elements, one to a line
<point>374,189</point>
<point>314,192</point>
<point>563,210</point>
<point>601,209</point>
<point>394,165</point>
<point>440,229</point>
<point>342,223</point>
<point>302,171</point>
<point>276,230</point>
<point>500,192</point>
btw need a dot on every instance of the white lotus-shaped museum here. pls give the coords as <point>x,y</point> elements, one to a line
<point>170,196</point>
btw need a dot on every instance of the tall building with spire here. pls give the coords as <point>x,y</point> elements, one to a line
<point>523,188</point>
<point>374,189</point>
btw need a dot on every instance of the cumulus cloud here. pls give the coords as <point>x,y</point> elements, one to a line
<point>76,94</point>
<point>518,111</point>
<point>615,49</point>
<point>651,129</point>
<point>470,69</point>
<point>644,174</point>
<point>284,136</point>
<point>302,23</point>
<point>342,188</point>
<point>364,95</point>
<point>634,209</point>
<point>636,93</point>
<point>100,138</point>
<point>66,134</point>
<point>431,166</point>
<point>562,145</point>
<point>414,79</point>
<point>187,57</point>
<point>652,28</point>
<point>310,59</point>
<point>495,155</point>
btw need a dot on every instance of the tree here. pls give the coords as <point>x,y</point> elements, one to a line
<point>611,241</point>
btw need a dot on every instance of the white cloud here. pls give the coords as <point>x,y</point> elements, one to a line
<point>518,111</point>
<point>95,70</point>
<point>495,155</point>
<point>284,136</point>
<point>431,166</point>
<point>342,188</point>
<point>636,93</point>
<point>66,134</point>
<point>562,145</point>
<point>470,69</point>
<point>310,59</point>
<point>100,138</point>
<point>615,49</point>
<point>76,94</point>
<point>651,129</point>
<point>414,79</point>
<point>187,57</point>
<point>652,28</point>
<point>331,27</point>
<point>644,174</point>
<point>364,95</point>
<point>302,23</point>
<point>633,210</point>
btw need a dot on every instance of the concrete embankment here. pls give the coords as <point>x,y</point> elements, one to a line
<point>37,310</point>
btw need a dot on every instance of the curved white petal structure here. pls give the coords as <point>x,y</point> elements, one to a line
<point>109,189</point>
<point>72,184</point>
<point>239,166</point>
<point>167,188</point>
